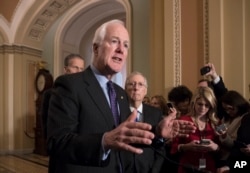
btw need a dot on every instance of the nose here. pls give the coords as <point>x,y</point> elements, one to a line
<point>119,49</point>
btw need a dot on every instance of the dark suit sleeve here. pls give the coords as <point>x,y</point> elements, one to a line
<point>66,141</point>
<point>44,110</point>
<point>154,116</point>
<point>219,88</point>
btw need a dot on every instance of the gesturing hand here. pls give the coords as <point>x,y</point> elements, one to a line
<point>128,132</point>
<point>170,127</point>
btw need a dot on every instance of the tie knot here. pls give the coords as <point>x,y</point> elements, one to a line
<point>110,84</point>
<point>138,117</point>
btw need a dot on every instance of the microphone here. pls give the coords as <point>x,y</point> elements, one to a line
<point>188,168</point>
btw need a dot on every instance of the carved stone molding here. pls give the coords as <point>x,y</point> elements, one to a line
<point>47,16</point>
<point>20,49</point>
<point>177,42</point>
<point>205,30</point>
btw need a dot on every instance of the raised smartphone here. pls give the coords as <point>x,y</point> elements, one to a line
<point>205,70</point>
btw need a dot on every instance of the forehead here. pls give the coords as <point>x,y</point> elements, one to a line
<point>76,61</point>
<point>203,84</point>
<point>137,77</point>
<point>201,99</point>
<point>117,30</point>
<point>155,100</point>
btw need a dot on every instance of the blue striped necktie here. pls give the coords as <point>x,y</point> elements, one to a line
<point>138,118</point>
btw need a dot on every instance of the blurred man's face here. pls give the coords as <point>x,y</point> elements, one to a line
<point>203,84</point>
<point>111,54</point>
<point>136,88</point>
<point>75,65</point>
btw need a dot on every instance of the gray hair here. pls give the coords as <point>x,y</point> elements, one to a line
<point>101,32</point>
<point>134,74</point>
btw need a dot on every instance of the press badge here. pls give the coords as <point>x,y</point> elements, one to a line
<point>202,163</point>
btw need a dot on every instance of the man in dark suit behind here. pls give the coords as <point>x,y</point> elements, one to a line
<point>82,134</point>
<point>136,88</point>
<point>73,63</point>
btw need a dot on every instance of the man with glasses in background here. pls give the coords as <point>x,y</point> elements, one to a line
<point>136,89</point>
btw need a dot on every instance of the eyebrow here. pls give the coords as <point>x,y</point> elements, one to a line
<point>118,38</point>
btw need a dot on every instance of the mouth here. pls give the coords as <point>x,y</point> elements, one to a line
<point>117,59</point>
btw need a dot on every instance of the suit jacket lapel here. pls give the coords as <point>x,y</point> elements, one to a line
<point>98,96</point>
<point>123,103</point>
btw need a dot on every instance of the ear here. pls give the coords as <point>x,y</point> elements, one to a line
<point>145,91</point>
<point>95,48</point>
<point>65,69</point>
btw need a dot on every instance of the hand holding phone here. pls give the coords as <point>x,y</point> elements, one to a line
<point>204,141</point>
<point>205,70</point>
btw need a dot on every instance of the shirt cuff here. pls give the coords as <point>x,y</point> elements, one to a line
<point>216,80</point>
<point>105,154</point>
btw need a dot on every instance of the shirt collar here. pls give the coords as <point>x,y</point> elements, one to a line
<point>139,109</point>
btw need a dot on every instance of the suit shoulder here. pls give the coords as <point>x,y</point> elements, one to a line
<point>146,106</point>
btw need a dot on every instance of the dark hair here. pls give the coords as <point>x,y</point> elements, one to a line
<point>179,94</point>
<point>209,83</point>
<point>162,102</point>
<point>235,99</point>
<point>71,56</point>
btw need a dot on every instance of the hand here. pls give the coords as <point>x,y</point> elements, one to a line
<point>221,132</point>
<point>246,150</point>
<point>128,132</point>
<point>224,169</point>
<point>191,146</point>
<point>170,127</point>
<point>210,146</point>
<point>212,72</point>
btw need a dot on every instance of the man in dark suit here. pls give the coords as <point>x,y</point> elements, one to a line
<point>73,63</point>
<point>136,88</point>
<point>82,133</point>
<point>214,81</point>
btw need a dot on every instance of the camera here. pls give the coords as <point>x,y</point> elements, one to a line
<point>205,70</point>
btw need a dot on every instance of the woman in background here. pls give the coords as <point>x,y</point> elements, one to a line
<point>198,150</point>
<point>236,139</point>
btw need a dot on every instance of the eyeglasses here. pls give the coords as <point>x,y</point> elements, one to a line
<point>134,84</point>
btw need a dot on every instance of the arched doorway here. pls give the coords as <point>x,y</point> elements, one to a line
<point>73,32</point>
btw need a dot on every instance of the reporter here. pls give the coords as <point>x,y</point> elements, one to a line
<point>237,120</point>
<point>191,150</point>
